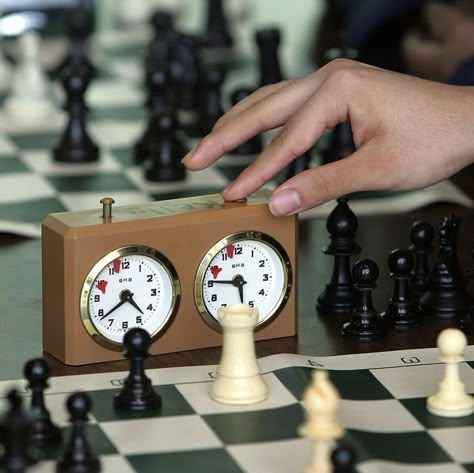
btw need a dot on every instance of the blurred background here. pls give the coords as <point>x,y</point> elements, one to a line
<point>433,39</point>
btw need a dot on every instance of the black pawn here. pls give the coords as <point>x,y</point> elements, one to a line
<point>338,296</point>
<point>446,296</point>
<point>298,165</point>
<point>164,149</point>
<point>211,106</point>
<point>157,83</point>
<point>137,393</point>
<point>79,26</point>
<point>187,72</point>
<point>343,459</point>
<point>340,144</point>
<point>467,323</point>
<point>43,430</point>
<point>402,311</point>
<point>421,236</point>
<point>217,33</point>
<point>78,456</point>
<point>157,101</point>
<point>365,323</point>
<point>268,42</point>
<point>254,145</point>
<point>16,437</point>
<point>75,145</point>
<point>164,37</point>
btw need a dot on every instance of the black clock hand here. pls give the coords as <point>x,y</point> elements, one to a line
<point>224,282</point>
<point>129,297</point>
<point>113,309</point>
<point>239,282</point>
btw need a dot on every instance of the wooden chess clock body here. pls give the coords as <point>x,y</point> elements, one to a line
<point>167,267</point>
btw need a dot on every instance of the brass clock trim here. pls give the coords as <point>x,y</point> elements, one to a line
<point>221,244</point>
<point>128,250</point>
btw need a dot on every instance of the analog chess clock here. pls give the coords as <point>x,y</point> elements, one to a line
<point>166,267</point>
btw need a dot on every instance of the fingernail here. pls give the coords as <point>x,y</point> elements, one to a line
<point>188,156</point>
<point>228,188</point>
<point>284,202</point>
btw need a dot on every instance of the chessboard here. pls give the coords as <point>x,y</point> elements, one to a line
<point>382,410</point>
<point>32,185</point>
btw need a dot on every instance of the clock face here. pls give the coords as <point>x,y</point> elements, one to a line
<point>131,287</point>
<point>243,268</point>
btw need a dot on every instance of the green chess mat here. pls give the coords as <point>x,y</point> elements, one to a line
<point>382,411</point>
<point>32,185</point>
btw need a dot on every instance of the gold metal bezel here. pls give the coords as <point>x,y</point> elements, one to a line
<point>230,239</point>
<point>100,265</point>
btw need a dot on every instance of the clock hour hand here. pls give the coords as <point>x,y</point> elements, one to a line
<point>224,282</point>
<point>129,298</point>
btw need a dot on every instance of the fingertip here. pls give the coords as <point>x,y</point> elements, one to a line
<point>285,202</point>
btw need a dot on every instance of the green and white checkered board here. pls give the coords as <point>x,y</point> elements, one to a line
<point>32,185</point>
<point>382,410</point>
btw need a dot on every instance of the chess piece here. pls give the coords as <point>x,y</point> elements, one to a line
<point>338,296</point>
<point>421,236</point>
<point>157,82</point>
<point>217,34</point>
<point>75,145</point>
<point>164,149</point>
<point>268,42</point>
<point>253,146</point>
<point>15,437</point>
<point>78,456</point>
<point>164,37</point>
<point>343,459</point>
<point>446,296</point>
<point>451,399</point>
<point>79,26</point>
<point>210,109</point>
<point>402,311</point>
<point>298,165</point>
<point>5,71</point>
<point>341,144</point>
<point>137,393</point>
<point>238,378</point>
<point>43,431</point>
<point>187,67</point>
<point>467,323</point>
<point>30,100</point>
<point>365,323</point>
<point>320,400</point>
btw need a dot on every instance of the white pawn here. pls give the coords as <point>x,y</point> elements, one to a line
<point>5,72</point>
<point>238,378</point>
<point>29,100</point>
<point>321,400</point>
<point>451,399</point>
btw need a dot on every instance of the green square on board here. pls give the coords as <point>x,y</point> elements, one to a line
<point>257,426</point>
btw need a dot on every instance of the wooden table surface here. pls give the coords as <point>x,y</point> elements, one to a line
<point>20,294</point>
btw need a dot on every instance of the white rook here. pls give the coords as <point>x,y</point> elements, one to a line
<point>238,378</point>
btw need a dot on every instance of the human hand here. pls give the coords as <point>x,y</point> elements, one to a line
<point>409,133</point>
<point>450,42</point>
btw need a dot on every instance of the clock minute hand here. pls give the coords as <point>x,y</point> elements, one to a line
<point>239,282</point>
<point>113,309</point>
<point>224,282</point>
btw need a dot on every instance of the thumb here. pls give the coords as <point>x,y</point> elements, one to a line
<point>323,183</point>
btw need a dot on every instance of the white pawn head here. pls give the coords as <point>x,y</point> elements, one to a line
<point>451,343</point>
<point>29,44</point>
<point>238,316</point>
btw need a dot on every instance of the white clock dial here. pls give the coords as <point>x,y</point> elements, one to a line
<point>130,287</point>
<point>244,268</point>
